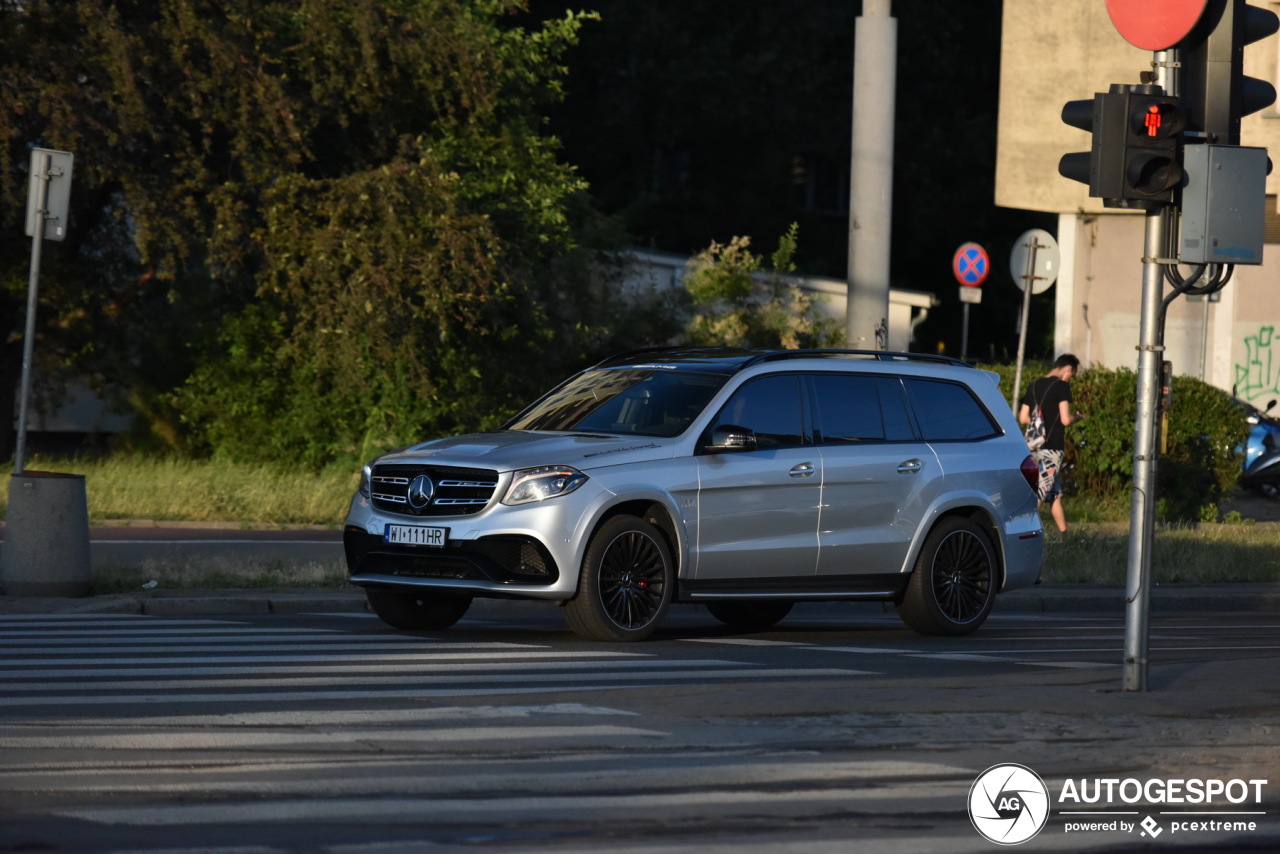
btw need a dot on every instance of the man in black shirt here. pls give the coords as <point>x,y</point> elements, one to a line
<point>1052,394</point>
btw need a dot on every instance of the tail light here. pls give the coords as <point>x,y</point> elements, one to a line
<point>1031,472</point>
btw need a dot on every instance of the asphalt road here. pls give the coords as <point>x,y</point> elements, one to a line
<point>836,731</point>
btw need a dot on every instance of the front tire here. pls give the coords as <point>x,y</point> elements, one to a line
<point>626,582</point>
<point>953,585</point>
<point>429,610</point>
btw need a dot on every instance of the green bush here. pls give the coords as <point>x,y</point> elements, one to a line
<point>1008,373</point>
<point>1199,461</point>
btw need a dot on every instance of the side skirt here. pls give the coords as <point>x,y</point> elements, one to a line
<point>814,589</point>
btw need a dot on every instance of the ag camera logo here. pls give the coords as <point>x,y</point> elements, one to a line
<point>1008,804</point>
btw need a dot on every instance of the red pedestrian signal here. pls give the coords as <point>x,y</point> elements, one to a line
<point>1134,161</point>
<point>1151,153</point>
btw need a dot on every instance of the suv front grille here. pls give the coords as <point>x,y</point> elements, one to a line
<point>447,491</point>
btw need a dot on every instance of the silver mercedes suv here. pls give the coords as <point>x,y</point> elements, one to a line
<point>745,480</point>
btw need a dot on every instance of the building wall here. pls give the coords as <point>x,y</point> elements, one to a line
<point>1230,343</point>
<point>1068,50</point>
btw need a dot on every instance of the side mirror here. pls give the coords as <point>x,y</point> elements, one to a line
<point>729,438</point>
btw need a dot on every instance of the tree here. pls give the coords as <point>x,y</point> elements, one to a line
<point>307,227</point>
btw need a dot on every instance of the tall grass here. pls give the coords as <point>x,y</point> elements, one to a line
<point>1199,554</point>
<point>129,487</point>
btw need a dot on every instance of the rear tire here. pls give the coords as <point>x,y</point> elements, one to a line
<point>750,616</point>
<point>429,610</point>
<point>953,586</point>
<point>626,582</point>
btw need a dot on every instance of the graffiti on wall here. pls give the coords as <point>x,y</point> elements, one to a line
<point>1258,375</point>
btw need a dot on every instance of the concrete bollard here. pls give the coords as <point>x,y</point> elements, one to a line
<point>46,536</point>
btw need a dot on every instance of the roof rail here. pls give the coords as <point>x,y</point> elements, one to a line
<point>630,354</point>
<point>880,355</point>
<point>737,358</point>
<point>687,351</point>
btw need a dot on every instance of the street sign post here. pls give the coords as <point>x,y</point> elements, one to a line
<point>1034,266</point>
<point>51,217</point>
<point>970,265</point>
<point>47,205</point>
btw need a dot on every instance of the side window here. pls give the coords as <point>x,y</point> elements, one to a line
<point>847,408</point>
<point>948,411</point>
<point>893,403</point>
<point>770,407</point>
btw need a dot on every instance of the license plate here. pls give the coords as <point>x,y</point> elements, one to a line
<point>415,535</point>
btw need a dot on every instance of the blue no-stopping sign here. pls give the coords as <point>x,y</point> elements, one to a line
<point>971,265</point>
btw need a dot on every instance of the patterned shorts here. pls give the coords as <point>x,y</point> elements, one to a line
<point>1050,484</point>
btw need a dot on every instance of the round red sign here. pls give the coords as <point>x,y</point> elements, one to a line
<point>1155,24</point>
<point>970,265</point>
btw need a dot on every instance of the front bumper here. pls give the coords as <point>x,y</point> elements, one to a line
<point>529,551</point>
<point>505,561</point>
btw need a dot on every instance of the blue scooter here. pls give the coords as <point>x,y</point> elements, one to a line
<point>1262,452</point>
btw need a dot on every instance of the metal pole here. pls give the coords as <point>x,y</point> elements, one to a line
<point>1143,504</point>
<point>1028,279</point>
<point>33,289</point>
<point>871,176</point>
<point>964,334</point>
<point>1204,337</point>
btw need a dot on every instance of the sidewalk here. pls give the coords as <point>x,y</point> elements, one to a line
<point>1045,599</point>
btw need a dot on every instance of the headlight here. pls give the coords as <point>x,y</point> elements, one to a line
<point>366,475</point>
<point>543,482</point>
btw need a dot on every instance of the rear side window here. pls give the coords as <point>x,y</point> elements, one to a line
<point>859,408</point>
<point>948,411</point>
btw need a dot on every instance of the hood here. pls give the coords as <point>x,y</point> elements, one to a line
<point>506,450</point>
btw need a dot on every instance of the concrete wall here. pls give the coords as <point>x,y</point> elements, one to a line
<point>1232,343</point>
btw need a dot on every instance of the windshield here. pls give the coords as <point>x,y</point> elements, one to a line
<point>643,401</point>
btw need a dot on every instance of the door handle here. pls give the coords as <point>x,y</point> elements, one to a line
<point>802,470</point>
<point>910,467</point>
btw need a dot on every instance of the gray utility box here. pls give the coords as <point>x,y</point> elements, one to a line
<point>1224,204</point>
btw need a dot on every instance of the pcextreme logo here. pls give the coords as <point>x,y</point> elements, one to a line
<point>1009,804</point>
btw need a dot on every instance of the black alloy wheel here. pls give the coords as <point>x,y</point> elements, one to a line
<point>953,585</point>
<point>626,581</point>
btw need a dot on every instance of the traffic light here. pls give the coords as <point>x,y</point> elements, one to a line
<point>1082,166</point>
<point>1215,89</point>
<point>1134,159</point>
<point>1152,133</point>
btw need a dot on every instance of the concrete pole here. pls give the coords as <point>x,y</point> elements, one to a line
<point>871,176</point>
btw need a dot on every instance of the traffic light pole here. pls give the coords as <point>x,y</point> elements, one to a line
<point>1142,506</point>
<point>1155,249</point>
